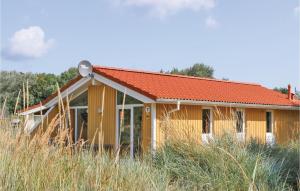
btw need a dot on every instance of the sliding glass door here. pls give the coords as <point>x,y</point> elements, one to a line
<point>129,129</point>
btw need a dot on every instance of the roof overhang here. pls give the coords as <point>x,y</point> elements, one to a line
<point>54,100</point>
<point>123,88</point>
<point>33,110</point>
<point>226,104</point>
<point>145,99</point>
<point>83,81</point>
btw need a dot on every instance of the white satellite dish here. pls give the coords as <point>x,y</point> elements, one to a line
<point>85,68</point>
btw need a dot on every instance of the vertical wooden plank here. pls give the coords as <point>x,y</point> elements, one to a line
<point>256,124</point>
<point>183,124</point>
<point>223,121</point>
<point>146,128</point>
<point>287,126</point>
<point>107,132</point>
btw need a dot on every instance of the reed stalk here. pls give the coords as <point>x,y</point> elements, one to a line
<point>24,97</point>
<point>27,94</point>
<point>3,108</point>
<point>17,103</point>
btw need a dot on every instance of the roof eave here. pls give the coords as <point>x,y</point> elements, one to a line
<point>226,104</point>
<point>66,91</point>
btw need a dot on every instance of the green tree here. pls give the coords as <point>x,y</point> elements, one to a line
<point>197,70</point>
<point>281,90</point>
<point>68,75</point>
<point>40,86</point>
<point>285,91</point>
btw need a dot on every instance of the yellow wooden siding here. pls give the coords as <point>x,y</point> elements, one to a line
<point>287,126</point>
<point>183,124</point>
<point>256,124</point>
<point>146,128</point>
<point>223,121</point>
<point>106,135</point>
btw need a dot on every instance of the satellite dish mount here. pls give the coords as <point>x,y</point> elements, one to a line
<point>85,69</point>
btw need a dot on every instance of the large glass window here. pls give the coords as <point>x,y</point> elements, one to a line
<point>128,99</point>
<point>79,116</point>
<point>124,126</point>
<point>206,121</point>
<point>269,121</point>
<point>82,124</point>
<point>81,100</point>
<point>239,121</point>
<point>130,130</point>
<point>138,112</point>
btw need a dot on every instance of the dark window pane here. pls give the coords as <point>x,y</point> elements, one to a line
<point>81,100</point>
<point>82,122</point>
<point>239,121</point>
<point>128,99</point>
<point>206,121</point>
<point>269,122</point>
<point>124,127</point>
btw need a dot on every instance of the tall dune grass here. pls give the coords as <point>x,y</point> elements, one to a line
<point>32,163</point>
<point>224,164</point>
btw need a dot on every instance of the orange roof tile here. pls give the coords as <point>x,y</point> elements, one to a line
<point>167,86</point>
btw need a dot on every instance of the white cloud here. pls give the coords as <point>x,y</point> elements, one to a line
<point>162,8</point>
<point>211,23</point>
<point>27,43</point>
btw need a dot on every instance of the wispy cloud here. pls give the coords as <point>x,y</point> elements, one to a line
<point>162,8</point>
<point>210,22</point>
<point>27,43</point>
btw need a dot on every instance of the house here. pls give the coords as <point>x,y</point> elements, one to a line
<point>198,107</point>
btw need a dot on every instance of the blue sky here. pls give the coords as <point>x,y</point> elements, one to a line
<point>252,41</point>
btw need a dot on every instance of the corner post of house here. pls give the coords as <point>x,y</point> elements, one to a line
<point>153,128</point>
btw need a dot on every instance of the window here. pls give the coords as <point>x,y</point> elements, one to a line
<point>206,121</point>
<point>128,99</point>
<point>269,121</point>
<point>239,121</point>
<point>81,100</point>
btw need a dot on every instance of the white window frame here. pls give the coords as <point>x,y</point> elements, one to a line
<point>76,120</point>
<point>270,137</point>
<point>241,135</point>
<point>207,136</point>
<point>131,107</point>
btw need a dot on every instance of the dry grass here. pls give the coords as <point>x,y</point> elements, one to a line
<point>33,163</point>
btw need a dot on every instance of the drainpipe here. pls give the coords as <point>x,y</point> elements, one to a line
<point>176,109</point>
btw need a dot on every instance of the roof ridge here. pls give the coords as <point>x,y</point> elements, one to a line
<point>174,75</point>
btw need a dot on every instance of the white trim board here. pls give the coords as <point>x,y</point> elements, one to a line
<point>33,110</point>
<point>42,118</point>
<point>153,127</point>
<point>224,104</point>
<point>129,106</point>
<point>122,88</point>
<point>54,100</point>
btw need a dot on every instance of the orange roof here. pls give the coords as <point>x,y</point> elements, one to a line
<point>166,86</point>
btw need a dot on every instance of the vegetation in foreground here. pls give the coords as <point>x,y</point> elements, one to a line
<point>223,164</point>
